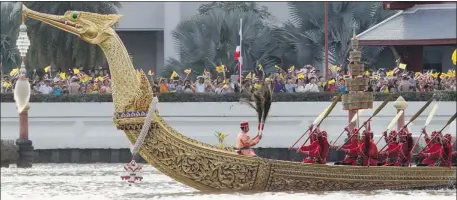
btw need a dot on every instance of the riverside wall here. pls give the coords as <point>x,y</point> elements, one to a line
<point>84,132</point>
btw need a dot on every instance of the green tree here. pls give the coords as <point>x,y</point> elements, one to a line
<point>302,38</point>
<point>63,50</point>
<point>211,39</point>
<point>10,22</point>
<point>229,6</point>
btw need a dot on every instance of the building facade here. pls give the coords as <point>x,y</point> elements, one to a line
<point>146,28</point>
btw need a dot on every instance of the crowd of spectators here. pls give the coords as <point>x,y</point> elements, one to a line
<point>306,79</point>
<point>72,82</point>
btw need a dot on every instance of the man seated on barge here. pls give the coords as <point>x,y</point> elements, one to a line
<point>244,142</point>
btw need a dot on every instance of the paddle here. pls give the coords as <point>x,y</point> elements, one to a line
<point>380,107</point>
<point>392,123</point>
<point>429,119</point>
<point>356,116</point>
<point>411,120</point>
<point>310,127</point>
<point>327,112</point>
<point>447,124</point>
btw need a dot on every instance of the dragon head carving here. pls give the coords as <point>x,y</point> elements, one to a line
<point>90,27</point>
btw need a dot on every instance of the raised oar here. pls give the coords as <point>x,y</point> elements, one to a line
<point>418,113</point>
<point>380,107</point>
<point>326,113</point>
<point>429,119</point>
<point>447,124</point>
<point>312,125</point>
<point>392,123</point>
<point>352,121</point>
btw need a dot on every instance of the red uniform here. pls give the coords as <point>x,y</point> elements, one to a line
<point>392,143</point>
<point>324,147</point>
<point>350,159</point>
<point>434,151</point>
<point>312,150</point>
<point>367,150</point>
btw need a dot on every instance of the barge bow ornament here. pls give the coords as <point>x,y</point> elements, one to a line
<point>209,168</point>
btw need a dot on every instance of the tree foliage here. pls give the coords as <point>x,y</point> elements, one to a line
<point>209,38</point>
<point>61,50</point>
<point>9,31</point>
<point>206,41</point>
<point>305,32</point>
<point>229,6</point>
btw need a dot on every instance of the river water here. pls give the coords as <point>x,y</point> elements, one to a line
<point>102,181</point>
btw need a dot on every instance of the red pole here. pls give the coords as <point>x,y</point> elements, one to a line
<point>326,38</point>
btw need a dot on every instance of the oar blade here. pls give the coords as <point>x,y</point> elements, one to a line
<point>432,113</point>
<point>394,120</point>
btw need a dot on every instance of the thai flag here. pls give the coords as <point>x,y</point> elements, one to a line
<point>396,70</point>
<point>238,50</point>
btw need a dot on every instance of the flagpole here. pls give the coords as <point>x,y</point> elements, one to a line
<point>240,60</point>
<point>326,38</point>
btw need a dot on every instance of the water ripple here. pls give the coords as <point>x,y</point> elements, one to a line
<point>103,182</point>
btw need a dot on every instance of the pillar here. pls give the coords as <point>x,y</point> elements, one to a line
<point>400,104</point>
<point>25,150</point>
<point>351,114</point>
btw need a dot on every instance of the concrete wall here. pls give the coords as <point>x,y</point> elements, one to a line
<point>90,125</point>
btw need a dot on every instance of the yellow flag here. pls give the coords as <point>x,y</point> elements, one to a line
<point>173,75</point>
<point>260,67</point>
<point>150,73</point>
<point>257,86</point>
<point>249,76</point>
<point>47,69</point>
<point>454,57</point>
<point>390,73</point>
<point>220,68</point>
<point>451,73</point>
<point>402,66</point>
<point>63,75</point>
<point>291,69</point>
<point>331,81</point>
<point>99,78</point>
<point>443,75</point>
<point>84,78</point>
<point>376,77</point>
<point>281,76</point>
<point>300,76</point>
<point>334,68</point>
<point>188,71</point>
<point>434,75</point>
<point>14,72</point>
<point>76,71</point>
<point>6,84</point>
<point>367,73</point>
<point>277,67</point>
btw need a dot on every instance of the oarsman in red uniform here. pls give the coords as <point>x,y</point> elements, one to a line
<point>352,143</point>
<point>446,158</point>
<point>432,155</point>
<point>312,150</point>
<point>392,143</point>
<point>244,143</point>
<point>403,150</point>
<point>367,150</point>
<point>324,148</point>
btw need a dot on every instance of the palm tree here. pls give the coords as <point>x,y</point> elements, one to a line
<point>305,32</point>
<point>10,21</point>
<point>206,41</point>
<point>58,48</point>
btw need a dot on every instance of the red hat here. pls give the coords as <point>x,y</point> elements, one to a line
<point>324,133</point>
<point>244,123</point>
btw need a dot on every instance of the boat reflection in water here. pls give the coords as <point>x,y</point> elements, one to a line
<point>101,182</point>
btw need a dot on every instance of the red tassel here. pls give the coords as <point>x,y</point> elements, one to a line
<point>263,126</point>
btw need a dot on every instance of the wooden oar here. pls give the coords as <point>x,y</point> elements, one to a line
<point>312,125</point>
<point>447,124</point>
<point>411,120</point>
<point>429,119</point>
<point>356,116</point>
<point>326,113</point>
<point>380,107</point>
<point>392,123</point>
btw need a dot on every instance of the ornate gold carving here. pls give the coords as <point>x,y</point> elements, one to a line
<point>206,167</point>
